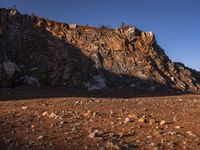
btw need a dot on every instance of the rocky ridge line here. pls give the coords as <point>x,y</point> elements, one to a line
<point>36,51</point>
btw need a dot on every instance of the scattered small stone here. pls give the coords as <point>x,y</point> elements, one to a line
<point>40,137</point>
<point>162,122</point>
<point>177,127</point>
<point>78,103</point>
<point>92,135</point>
<point>112,123</point>
<point>121,134</point>
<point>24,107</point>
<point>112,146</point>
<point>94,114</point>
<point>132,116</point>
<point>171,144</point>
<point>52,125</point>
<point>152,121</point>
<point>174,119</point>
<point>45,113</point>
<point>88,113</point>
<point>127,120</point>
<point>148,137</point>
<point>172,133</point>
<point>126,146</point>
<point>142,120</point>
<point>191,134</point>
<point>52,115</point>
<point>111,112</point>
<point>137,141</point>
<point>85,147</point>
<point>162,140</point>
<point>95,133</point>
<point>152,144</point>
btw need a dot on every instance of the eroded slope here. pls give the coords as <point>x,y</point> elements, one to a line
<point>36,51</point>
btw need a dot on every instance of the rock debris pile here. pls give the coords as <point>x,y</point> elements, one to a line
<point>36,51</point>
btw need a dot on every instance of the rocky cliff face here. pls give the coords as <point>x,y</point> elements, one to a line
<point>36,51</point>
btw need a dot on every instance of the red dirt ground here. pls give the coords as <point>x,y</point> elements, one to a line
<point>41,119</point>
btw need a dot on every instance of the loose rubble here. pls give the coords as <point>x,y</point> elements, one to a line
<point>126,124</point>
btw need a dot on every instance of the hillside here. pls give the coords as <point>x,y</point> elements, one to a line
<point>36,51</point>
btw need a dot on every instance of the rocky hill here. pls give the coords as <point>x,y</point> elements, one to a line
<point>36,51</point>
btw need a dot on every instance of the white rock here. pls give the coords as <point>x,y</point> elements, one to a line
<point>24,107</point>
<point>13,12</point>
<point>45,113</point>
<point>52,115</point>
<point>95,133</point>
<point>97,83</point>
<point>92,135</point>
<point>62,122</point>
<point>172,78</point>
<point>31,81</point>
<point>126,120</point>
<point>162,122</point>
<point>10,68</point>
<point>73,26</point>
<point>130,31</point>
<point>177,127</point>
<point>40,137</point>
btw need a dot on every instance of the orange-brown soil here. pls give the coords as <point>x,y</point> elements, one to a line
<point>49,121</point>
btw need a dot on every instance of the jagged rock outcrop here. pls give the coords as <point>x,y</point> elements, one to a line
<point>80,56</point>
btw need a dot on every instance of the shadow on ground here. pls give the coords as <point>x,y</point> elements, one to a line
<point>27,93</point>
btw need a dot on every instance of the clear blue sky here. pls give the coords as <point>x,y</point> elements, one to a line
<point>176,23</point>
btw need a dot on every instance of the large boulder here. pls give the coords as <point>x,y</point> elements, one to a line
<point>9,69</point>
<point>9,74</point>
<point>30,81</point>
<point>97,82</point>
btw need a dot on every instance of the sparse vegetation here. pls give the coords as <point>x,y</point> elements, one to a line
<point>105,27</point>
<point>124,25</point>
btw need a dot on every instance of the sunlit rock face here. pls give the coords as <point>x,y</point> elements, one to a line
<point>52,53</point>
